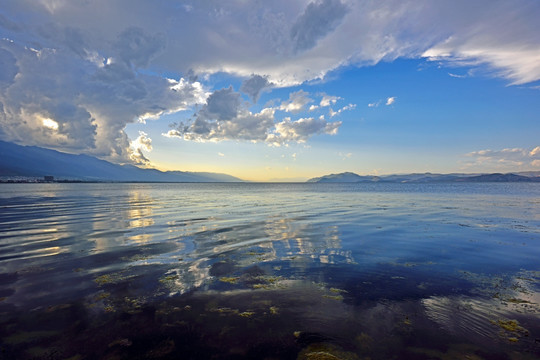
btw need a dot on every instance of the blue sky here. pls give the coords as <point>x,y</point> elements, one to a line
<point>283,90</point>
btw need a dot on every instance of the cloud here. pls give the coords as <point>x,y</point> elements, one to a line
<point>301,130</point>
<point>297,102</point>
<point>290,41</point>
<point>8,64</point>
<point>345,156</point>
<point>328,100</point>
<point>375,104</point>
<point>318,19</point>
<point>89,101</point>
<point>535,151</point>
<point>254,85</point>
<point>143,142</point>
<point>94,77</point>
<point>221,105</point>
<point>345,108</point>
<point>224,117</point>
<point>390,100</point>
<point>510,158</point>
<point>136,47</point>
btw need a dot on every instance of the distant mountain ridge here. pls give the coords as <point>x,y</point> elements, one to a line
<point>349,177</point>
<point>33,161</point>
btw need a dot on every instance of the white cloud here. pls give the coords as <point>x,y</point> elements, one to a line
<point>173,133</point>
<point>50,123</point>
<point>535,151</point>
<point>290,41</point>
<point>375,104</point>
<point>221,154</point>
<point>143,142</point>
<point>339,111</point>
<point>95,77</point>
<point>297,102</point>
<point>328,100</point>
<point>390,100</point>
<point>224,117</point>
<point>301,130</point>
<point>90,104</point>
<point>345,156</point>
<point>506,159</point>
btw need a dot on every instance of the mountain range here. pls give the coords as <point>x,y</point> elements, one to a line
<point>349,177</point>
<point>17,161</point>
<point>37,162</point>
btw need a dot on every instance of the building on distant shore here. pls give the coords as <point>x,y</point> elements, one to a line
<point>48,178</point>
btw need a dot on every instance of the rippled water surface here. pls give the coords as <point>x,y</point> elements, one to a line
<point>270,271</point>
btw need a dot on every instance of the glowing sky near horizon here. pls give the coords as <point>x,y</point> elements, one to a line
<point>276,90</point>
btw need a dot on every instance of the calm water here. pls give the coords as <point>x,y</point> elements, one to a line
<point>270,271</point>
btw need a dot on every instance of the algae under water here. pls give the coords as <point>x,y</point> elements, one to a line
<point>269,271</point>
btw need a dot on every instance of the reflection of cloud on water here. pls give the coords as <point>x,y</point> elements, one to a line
<point>184,278</point>
<point>518,292</point>
<point>506,307</point>
<point>296,242</point>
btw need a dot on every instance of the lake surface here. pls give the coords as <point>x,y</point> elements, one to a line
<point>270,271</point>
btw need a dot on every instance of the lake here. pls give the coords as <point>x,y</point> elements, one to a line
<point>270,271</point>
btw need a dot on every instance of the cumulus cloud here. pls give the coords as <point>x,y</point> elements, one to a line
<point>254,86</point>
<point>328,100</point>
<point>510,158</point>
<point>225,117</point>
<point>90,102</point>
<point>143,142</point>
<point>301,130</point>
<point>221,105</point>
<point>93,77</point>
<point>390,100</point>
<point>296,102</point>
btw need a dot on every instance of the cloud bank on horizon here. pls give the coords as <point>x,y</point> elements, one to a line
<point>75,73</point>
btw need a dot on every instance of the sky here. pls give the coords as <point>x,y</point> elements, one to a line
<point>280,90</point>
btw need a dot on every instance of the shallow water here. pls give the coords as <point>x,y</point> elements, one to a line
<point>270,271</point>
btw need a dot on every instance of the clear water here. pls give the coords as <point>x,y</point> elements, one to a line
<point>270,271</point>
